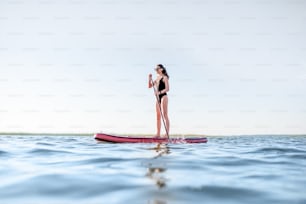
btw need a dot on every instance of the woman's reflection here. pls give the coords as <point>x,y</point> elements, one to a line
<point>156,168</point>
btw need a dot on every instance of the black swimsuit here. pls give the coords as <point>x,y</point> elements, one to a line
<point>161,86</point>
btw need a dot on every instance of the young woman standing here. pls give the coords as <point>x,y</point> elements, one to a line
<point>162,87</point>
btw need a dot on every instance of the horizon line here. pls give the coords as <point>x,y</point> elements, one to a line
<point>141,134</point>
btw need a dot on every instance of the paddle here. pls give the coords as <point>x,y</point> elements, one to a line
<point>160,109</point>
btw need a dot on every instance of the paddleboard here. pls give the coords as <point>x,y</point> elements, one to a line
<point>129,139</point>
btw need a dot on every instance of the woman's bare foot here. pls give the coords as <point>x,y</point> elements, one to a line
<point>165,136</point>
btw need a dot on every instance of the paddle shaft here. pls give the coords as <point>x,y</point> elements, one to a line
<point>160,109</point>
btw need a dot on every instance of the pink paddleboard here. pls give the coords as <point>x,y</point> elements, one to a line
<point>128,139</point>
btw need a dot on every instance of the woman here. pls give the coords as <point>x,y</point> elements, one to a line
<point>162,85</point>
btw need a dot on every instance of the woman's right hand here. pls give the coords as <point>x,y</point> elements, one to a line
<point>151,83</point>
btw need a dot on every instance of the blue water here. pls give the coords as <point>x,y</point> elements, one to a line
<point>78,169</point>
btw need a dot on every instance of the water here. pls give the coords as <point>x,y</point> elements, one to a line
<point>78,169</point>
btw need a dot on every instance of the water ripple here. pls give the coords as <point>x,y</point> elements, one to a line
<point>74,169</point>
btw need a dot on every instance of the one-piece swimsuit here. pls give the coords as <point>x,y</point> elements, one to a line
<point>161,86</point>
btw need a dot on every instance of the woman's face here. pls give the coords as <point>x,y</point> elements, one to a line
<point>159,70</point>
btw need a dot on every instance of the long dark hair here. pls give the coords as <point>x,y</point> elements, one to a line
<point>164,70</point>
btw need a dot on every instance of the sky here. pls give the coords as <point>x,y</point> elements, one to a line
<point>81,66</point>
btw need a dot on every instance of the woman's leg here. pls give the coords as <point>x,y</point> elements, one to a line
<point>164,104</point>
<point>158,119</point>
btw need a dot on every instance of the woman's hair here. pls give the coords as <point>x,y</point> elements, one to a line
<point>164,70</point>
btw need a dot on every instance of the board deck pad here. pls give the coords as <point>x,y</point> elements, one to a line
<point>133,139</point>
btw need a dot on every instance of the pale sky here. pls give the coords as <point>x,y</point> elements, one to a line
<point>79,66</point>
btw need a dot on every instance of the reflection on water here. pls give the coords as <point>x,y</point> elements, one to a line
<point>161,149</point>
<point>157,202</point>
<point>154,173</point>
<point>156,169</point>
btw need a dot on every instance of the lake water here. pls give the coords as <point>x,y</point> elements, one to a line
<point>78,169</point>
